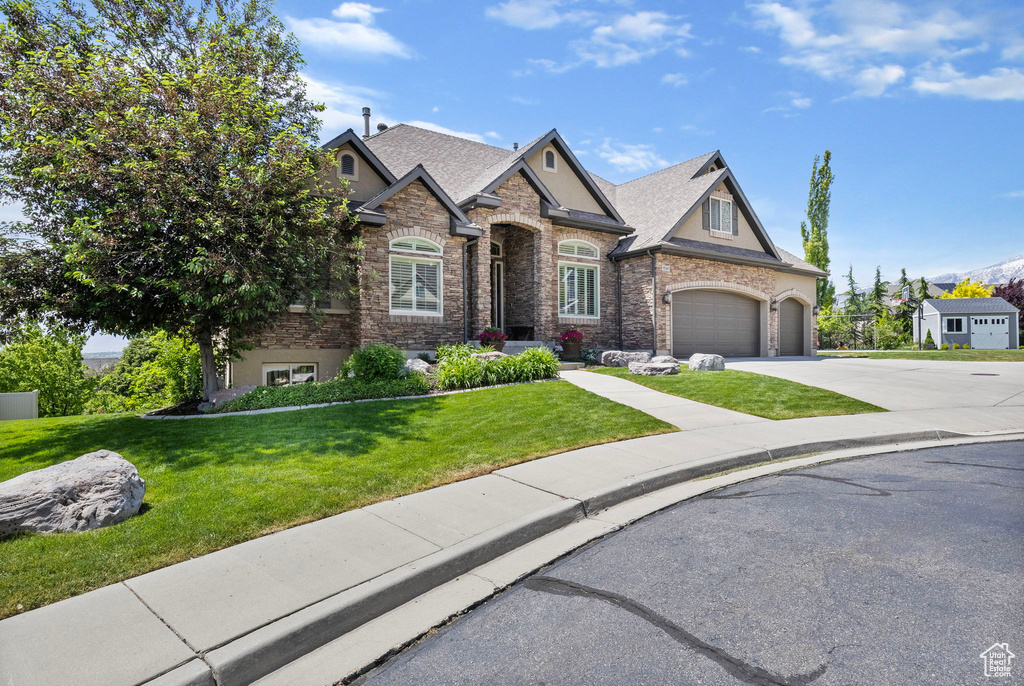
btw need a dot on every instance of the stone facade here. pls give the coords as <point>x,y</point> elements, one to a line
<point>299,331</point>
<point>413,211</point>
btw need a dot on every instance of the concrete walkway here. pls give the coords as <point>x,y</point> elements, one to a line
<point>250,612</point>
<point>680,412</point>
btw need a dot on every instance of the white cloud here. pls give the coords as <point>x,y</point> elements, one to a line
<point>493,135</point>
<point>875,44</point>
<point>537,14</point>
<point>750,48</point>
<point>520,100</point>
<point>796,102</point>
<point>999,84</point>
<point>674,79</point>
<point>344,105</point>
<point>630,158</point>
<point>351,31</point>
<point>1014,194</point>
<point>874,81</point>
<point>631,38</point>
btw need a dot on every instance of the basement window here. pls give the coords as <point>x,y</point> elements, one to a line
<point>289,374</point>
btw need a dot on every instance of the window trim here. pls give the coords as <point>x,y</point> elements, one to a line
<point>597,250</point>
<point>544,160</point>
<point>501,250</point>
<point>947,320</point>
<point>718,232</point>
<point>438,254</point>
<point>290,366</point>
<point>440,285</point>
<point>354,176</point>
<point>597,289</point>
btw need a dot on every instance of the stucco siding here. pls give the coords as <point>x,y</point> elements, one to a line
<point>367,184</point>
<point>693,228</point>
<point>564,184</point>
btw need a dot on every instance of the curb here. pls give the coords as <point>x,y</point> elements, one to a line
<point>248,658</point>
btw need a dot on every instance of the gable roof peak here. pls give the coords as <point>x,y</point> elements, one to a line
<point>703,159</point>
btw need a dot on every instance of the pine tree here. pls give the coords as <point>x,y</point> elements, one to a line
<point>815,238</point>
<point>879,293</point>
<point>922,290</point>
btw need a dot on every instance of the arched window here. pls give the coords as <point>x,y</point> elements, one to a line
<point>550,161</point>
<point>416,244</point>
<point>347,166</point>
<point>579,249</point>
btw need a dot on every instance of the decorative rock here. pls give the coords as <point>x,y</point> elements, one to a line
<point>488,357</point>
<point>92,491</point>
<point>416,365</point>
<point>653,368</point>
<point>700,362</point>
<point>664,359</point>
<point>618,358</point>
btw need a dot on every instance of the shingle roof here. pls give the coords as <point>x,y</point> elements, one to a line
<point>797,262</point>
<point>455,163</point>
<point>654,203</point>
<point>971,305</point>
<point>723,249</point>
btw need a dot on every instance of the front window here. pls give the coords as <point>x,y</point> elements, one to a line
<point>955,325</point>
<point>578,290</point>
<point>289,374</point>
<point>415,280</point>
<point>721,216</point>
<point>578,249</point>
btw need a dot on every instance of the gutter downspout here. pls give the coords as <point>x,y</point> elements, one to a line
<point>654,303</point>
<point>465,291</point>
<point>618,295</point>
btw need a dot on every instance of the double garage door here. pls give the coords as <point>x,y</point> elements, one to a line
<point>716,322</point>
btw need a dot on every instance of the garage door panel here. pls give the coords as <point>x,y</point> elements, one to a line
<point>717,322</point>
<point>791,327</point>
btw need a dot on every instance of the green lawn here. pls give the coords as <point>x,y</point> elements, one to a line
<point>756,394</point>
<point>950,355</point>
<point>214,482</point>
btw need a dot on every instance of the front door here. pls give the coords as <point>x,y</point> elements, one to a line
<point>498,294</point>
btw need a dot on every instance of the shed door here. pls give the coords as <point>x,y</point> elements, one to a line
<point>791,327</point>
<point>715,322</point>
<point>990,332</point>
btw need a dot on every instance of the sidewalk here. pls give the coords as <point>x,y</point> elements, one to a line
<point>237,615</point>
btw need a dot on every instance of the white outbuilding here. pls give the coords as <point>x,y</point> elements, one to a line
<point>982,323</point>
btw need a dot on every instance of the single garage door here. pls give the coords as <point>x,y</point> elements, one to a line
<point>715,322</point>
<point>791,327</point>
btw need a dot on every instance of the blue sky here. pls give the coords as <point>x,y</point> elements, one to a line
<point>921,103</point>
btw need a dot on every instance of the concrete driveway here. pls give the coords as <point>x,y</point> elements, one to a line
<point>902,384</point>
<point>892,569</point>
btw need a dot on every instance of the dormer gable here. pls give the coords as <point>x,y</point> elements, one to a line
<point>354,163</point>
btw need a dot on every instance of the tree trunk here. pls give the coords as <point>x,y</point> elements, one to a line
<point>211,383</point>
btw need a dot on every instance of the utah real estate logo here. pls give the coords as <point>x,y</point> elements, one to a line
<point>997,660</point>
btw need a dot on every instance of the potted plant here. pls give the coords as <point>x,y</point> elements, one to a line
<point>571,341</point>
<point>493,337</point>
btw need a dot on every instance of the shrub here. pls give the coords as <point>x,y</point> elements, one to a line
<point>425,357</point>
<point>538,363</point>
<point>377,361</point>
<point>457,371</point>
<point>49,361</point>
<point>590,355</point>
<point>459,351</point>
<point>966,347</point>
<point>337,390</point>
<point>945,346</point>
<point>956,346</point>
<point>929,342</point>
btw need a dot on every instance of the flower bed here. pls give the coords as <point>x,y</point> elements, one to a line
<point>336,390</point>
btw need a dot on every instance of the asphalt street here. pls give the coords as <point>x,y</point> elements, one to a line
<point>891,569</point>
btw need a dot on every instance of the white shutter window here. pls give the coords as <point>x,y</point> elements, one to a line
<point>401,284</point>
<point>415,286</point>
<point>577,290</point>
<point>726,216</point>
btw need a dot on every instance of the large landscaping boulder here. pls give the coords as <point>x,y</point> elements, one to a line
<point>664,359</point>
<point>653,368</point>
<point>95,490</point>
<point>618,358</point>
<point>706,363</point>
<point>227,394</point>
<point>415,365</point>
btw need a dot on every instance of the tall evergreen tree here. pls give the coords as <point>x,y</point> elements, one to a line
<point>815,237</point>
<point>879,294</point>
<point>922,290</point>
<point>854,300</point>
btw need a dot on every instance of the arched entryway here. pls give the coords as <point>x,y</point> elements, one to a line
<point>792,331</point>
<point>513,280</point>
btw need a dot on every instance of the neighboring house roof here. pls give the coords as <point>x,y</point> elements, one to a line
<point>971,305</point>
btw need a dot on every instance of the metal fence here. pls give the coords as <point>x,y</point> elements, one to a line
<point>19,405</point>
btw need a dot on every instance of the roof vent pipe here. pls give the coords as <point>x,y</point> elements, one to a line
<point>366,122</point>
<point>515,146</point>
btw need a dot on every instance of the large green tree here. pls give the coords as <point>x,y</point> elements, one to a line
<point>165,154</point>
<point>48,361</point>
<point>815,236</point>
<point>879,295</point>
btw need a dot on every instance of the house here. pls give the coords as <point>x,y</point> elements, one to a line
<point>987,323</point>
<point>460,235</point>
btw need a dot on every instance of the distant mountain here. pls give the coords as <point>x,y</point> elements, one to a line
<point>1012,268</point>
